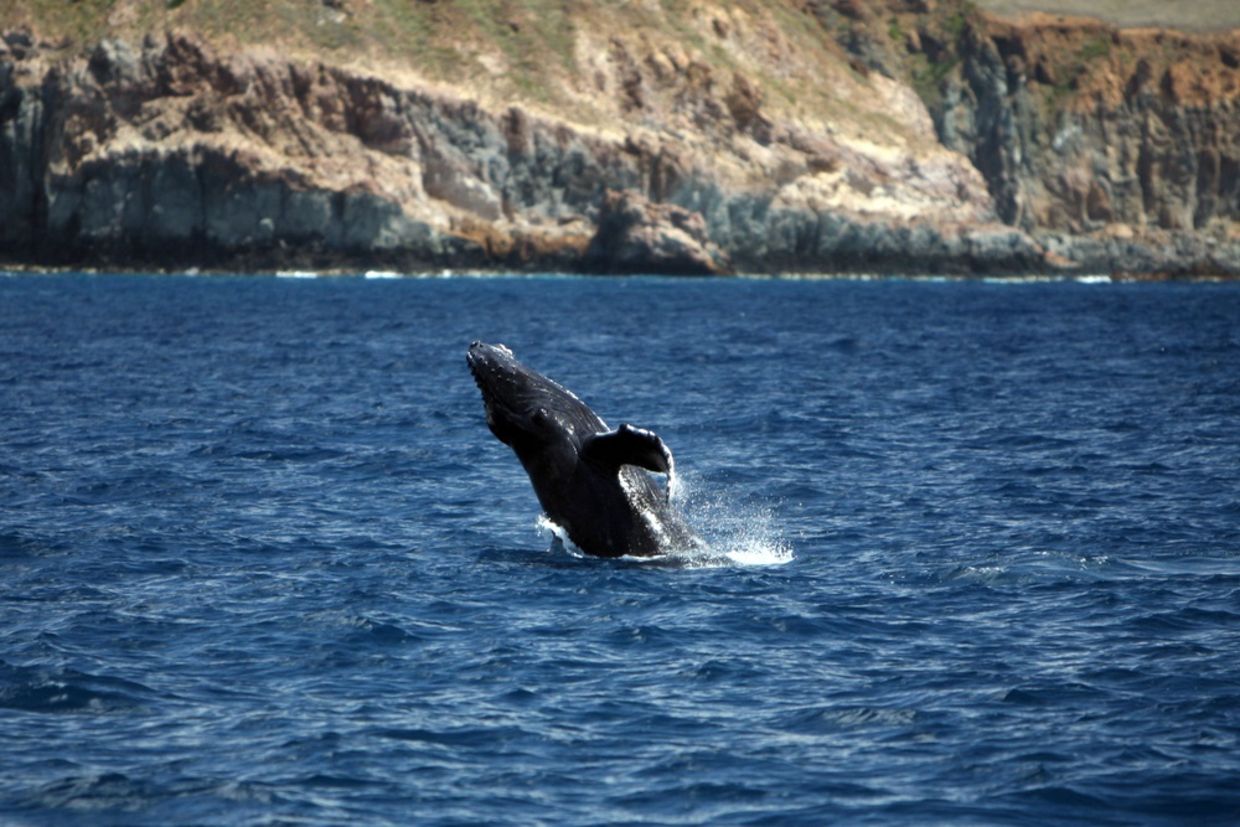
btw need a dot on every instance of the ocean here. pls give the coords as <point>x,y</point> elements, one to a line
<point>972,555</point>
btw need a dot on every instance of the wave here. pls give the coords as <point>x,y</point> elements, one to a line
<point>56,691</point>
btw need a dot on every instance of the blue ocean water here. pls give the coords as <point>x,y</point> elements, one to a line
<point>975,555</point>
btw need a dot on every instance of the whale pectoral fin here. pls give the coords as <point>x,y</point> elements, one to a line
<point>628,445</point>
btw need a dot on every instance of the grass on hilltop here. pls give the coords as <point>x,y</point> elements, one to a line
<point>1193,15</point>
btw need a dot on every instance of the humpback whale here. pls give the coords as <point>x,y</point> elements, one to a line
<point>591,480</point>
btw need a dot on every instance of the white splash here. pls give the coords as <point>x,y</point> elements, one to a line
<point>734,533</point>
<point>546,524</point>
<point>675,488</point>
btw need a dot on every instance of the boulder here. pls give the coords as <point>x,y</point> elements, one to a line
<point>637,236</point>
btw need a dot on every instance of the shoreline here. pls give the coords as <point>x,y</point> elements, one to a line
<point>15,270</point>
<point>174,154</point>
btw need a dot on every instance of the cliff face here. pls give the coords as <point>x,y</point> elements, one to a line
<point>740,137</point>
<point>1119,149</point>
<point>1144,135</point>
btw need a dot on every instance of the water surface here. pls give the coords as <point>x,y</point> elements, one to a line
<point>977,555</point>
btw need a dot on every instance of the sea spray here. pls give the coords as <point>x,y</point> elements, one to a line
<point>735,532</point>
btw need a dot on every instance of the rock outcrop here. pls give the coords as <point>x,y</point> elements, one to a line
<point>657,156</point>
<point>634,235</point>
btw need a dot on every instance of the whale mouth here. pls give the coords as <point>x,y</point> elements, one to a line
<point>477,362</point>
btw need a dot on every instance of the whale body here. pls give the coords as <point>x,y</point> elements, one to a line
<point>591,480</point>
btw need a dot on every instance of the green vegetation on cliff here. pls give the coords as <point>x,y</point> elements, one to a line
<point>544,52</point>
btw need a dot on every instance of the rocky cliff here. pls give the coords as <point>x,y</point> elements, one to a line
<point>705,138</point>
<point>1116,148</point>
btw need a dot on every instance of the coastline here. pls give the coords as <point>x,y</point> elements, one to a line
<point>1100,278</point>
<point>1045,147</point>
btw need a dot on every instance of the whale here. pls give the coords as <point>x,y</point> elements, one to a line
<point>592,481</point>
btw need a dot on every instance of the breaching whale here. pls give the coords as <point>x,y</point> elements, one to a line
<point>589,479</point>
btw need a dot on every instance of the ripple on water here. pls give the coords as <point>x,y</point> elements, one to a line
<point>68,691</point>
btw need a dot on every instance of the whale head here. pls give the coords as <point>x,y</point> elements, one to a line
<point>526,410</point>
